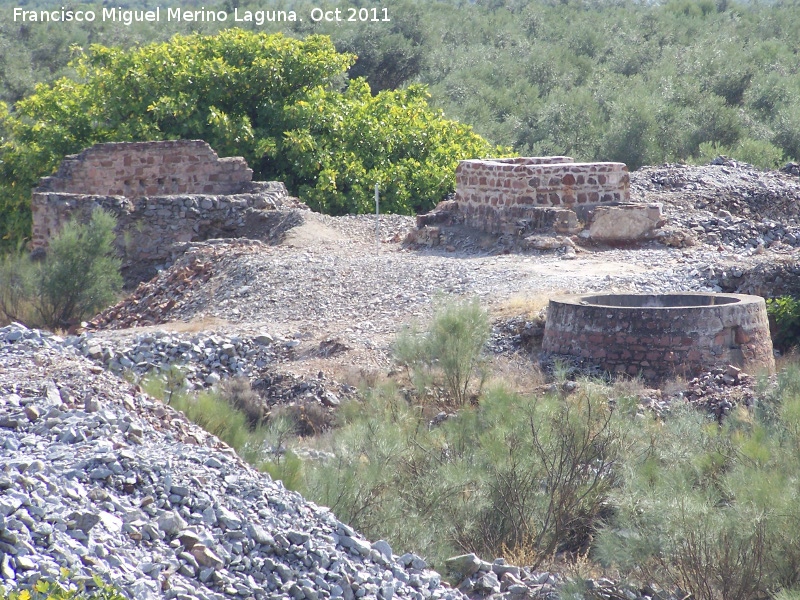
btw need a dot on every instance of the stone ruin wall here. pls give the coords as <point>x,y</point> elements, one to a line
<point>660,343</point>
<point>134,169</point>
<point>495,195</point>
<point>162,193</point>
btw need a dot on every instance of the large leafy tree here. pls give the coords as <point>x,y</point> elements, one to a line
<point>279,102</point>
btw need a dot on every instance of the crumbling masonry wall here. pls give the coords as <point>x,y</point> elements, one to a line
<point>161,193</point>
<point>494,195</point>
<point>134,169</point>
<point>661,336</point>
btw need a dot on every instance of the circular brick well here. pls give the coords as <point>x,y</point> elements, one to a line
<point>658,336</point>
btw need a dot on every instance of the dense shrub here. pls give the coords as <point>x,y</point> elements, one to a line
<point>308,417</point>
<point>712,510</point>
<point>79,275</point>
<point>785,312</point>
<point>513,474</point>
<point>452,346</point>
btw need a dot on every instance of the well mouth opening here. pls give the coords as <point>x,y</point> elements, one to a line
<point>657,300</point>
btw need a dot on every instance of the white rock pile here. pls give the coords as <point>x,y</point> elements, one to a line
<point>100,479</point>
<point>203,358</point>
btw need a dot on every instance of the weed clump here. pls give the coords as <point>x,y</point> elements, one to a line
<point>63,589</point>
<point>451,347</point>
<point>238,393</point>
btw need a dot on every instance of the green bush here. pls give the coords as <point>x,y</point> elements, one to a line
<point>785,311</point>
<point>17,287</point>
<point>234,413</point>
<point>717,516</point>
<point>78,276</point>
<point>80,273</point>
<point>452,345</point>
<point>515,475</point>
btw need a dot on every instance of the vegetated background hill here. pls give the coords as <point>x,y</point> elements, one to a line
<point>639,83</point>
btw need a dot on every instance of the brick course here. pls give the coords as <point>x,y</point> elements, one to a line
<point>134,169</point>
<point>687,334</point>
<point>493,194</point>
<point>162,193</point>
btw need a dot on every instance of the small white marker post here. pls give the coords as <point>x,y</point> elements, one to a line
<point>377,220</point>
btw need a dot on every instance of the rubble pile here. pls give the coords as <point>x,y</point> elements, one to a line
<point>152,301</point>
<point>92,480</point>
<point>725,203</point>
<point>719,391</point>
<point>501,581</point>
<point>516,334</point>
<point>769,278</point>
<point>203,358</point>
<point>286,388</point>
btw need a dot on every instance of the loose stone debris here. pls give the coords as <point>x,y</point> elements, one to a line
<point>498,580</point>
<point>721,390</point>
<point>101,479</point>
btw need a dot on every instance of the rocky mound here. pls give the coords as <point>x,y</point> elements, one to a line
<point>725,202</point>
<point>724,184</point>
<point>98,478</point>
<point>173,290</point>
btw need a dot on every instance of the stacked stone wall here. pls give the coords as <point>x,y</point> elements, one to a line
<point>495,195</point>
<point>149,226</point>
<point>659,343</point>
<point>133,169</point>
<point>161,193</point>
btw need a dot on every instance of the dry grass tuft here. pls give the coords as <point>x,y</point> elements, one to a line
<point>516,373</point>
<point>528,306</point>
<point>309,417</point>
<point>238,393</point>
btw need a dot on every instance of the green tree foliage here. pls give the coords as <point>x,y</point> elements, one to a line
<point>639,82</point>
<point>534,75</point>
<point>644,83</point>
<point>759,153</point>
<point>341,144</point>
<point>388,54</point>
<point>269,98</point>
<point>785,312</point>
